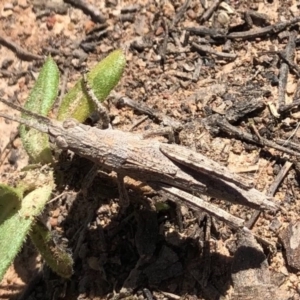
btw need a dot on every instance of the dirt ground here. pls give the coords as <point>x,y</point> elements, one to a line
<point>239,62</point>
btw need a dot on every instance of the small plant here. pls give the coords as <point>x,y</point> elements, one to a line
<point>21,205</point>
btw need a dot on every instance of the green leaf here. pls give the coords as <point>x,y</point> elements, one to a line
<point>10,201</point>
<point>102,79</point>
<point>58,259</point>
<point>40,101</point>
<point>14,229</point>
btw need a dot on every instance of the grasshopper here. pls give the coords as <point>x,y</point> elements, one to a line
<point>168,168</point>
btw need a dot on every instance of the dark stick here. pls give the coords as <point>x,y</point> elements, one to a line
<point>221,123</point>
<point>88,9</point>
<point>180,13</point>
<point>208,13</point>
<point>290,62</point>
<point>163,50</point>
<point>210,50</point>
<point>251,14</point>
<point>203,31</point>
<point>19,51</point>
<point>141,108</point>
<point>293,66</point>
<point>206,252</point>
<point>271,192</point>
<point>290,106</point>
<point>284,69</point>
<point>288,143</point>
<point>253,33</point>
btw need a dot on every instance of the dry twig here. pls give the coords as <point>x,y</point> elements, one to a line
<point>19,51</point>
<point>284,69</point>
<point>88,9</point>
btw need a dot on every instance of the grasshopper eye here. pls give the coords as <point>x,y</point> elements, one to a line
<point>61,142</point>
<point>70,123</point>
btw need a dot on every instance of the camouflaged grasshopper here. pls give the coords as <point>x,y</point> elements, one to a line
<point>171,169</point>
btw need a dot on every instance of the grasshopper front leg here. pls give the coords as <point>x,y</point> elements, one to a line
<point>101,110</point>
<point>105,124</point>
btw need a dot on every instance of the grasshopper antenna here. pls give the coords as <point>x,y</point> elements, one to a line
<point>40,126</point>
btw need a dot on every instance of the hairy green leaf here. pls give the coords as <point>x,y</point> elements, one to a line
<point>102,79</point>
<point>13,230</point>
<point>40,101</point>
<point>10,201</point>
<point>58,259</point>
